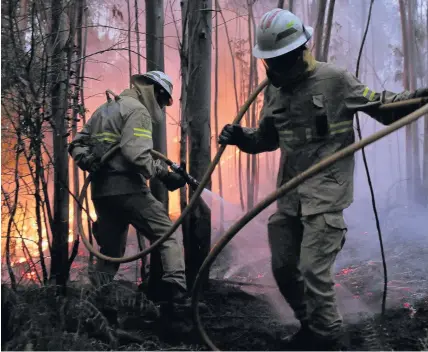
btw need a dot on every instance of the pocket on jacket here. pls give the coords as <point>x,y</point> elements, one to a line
<point>320,116</point>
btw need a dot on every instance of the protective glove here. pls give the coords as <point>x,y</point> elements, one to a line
<point>421,93</point>
<point>173,181</point>
<point>231,134</point>
<point>90,163</point>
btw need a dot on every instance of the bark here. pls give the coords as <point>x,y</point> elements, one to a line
<point>329,24</point>
<point>76,107</point>
<point>235,86</point>
<point>198,114</point>
<point>129,42</point>
<point>59,263</point>
<point>249,171</point>
<point>322,4</point>
<point>185,225</point>
<point>406,84</point>
<point>83,114</point>
<point>155,61</point>
<point>137,33</point>
<point>409,81</point>
<point>425,155</point>
<point>417,186</point>
<point>220,181</point>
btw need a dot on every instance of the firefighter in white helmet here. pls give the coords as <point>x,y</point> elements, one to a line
<point>308,113</point>
<point>119,191</point>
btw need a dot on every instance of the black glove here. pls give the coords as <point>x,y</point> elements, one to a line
<point>173,181</point>
<point>421,93</point>
<point>231,134</point>
<point>90,163</point>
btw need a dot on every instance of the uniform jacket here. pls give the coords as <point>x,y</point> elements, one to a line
<point>127,122</point>
<point>311,121</point>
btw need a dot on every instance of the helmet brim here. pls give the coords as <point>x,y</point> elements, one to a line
<point>136,77</point>
<point>268,54</point>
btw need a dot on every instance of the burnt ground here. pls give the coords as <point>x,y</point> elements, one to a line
<point>235,320</point>
<point>33,319</point>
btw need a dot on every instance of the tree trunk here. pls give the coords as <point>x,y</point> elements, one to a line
<point>417,182</point>
<point>250,184</point>
<point>155,61</point>
<point>290,5</point>
<point>76,109</point>
<point>128,6</point>
<point>406,84</point>
<point>280,4</point>
<point>220,181</point>
<point>185,225</point>
<point>322,4</point>
<point>59,263</point>
<point>198,108</point>
<point>425,155</point>
<point>326,44</point>
<point>137,34</point>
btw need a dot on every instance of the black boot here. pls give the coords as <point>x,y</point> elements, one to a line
<point>307,340</point>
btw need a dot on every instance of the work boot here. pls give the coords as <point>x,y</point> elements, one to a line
<point>307,340</point>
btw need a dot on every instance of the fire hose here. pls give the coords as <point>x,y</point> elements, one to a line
<point>186,211</point>
<point>296,181</point>
<point>290,185</point>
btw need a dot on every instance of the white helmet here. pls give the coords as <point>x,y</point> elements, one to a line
<point>157,77</point>
<point>278,33</point>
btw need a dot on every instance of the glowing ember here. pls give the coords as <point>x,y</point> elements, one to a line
<point>346,271</point>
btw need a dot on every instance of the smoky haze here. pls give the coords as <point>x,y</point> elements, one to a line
<point>403,216</point>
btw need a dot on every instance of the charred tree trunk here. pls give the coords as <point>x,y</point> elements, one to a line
<point>198,108</point>
<point>59,263</point>
<point>250,184</point>
<point>417,186</point>
<point>329,24</point>
<point>216,129</point>
<point>409,166</point>
<point>155,61</point>
<point>129,42</point>
<point>425,155</point>
<point>184,54</point>
<point>137,34</point>
<point>76,106</point>
<point>322,4</point>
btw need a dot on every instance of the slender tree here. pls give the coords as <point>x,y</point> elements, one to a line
<point>155,61</point>
<point>326,44</point>
<point>198,106</point>
<point>59,263</point>
<point>322,4</point>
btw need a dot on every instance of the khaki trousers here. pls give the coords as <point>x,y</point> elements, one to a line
<point>304,250</point>
<point>148,216</point>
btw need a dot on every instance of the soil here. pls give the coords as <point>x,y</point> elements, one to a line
<point>235,320</point>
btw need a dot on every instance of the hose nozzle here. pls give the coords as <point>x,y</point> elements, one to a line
<point>181,170</point>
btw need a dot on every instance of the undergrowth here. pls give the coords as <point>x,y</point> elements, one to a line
<point>118,317</point>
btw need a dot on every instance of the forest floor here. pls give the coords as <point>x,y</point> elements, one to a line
<point>34,320</point>
<point>250,315</point>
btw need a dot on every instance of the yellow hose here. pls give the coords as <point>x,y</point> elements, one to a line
<point>293,183</point>
<point>186,211</point>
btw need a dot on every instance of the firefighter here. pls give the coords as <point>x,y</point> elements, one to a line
<point>120,194</point>
<point>308,113</point>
